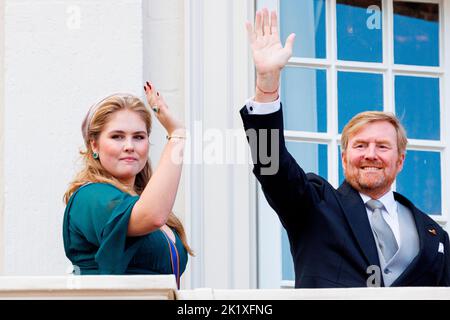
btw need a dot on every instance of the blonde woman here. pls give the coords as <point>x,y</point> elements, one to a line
<point>118,218</point>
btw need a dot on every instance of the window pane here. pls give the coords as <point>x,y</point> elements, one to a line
<point>287,264</point>
<point>358,92</point>
<point>341,169</point>
<point>359,30</point>
<point>304,97</point>
<point>420,180</point>
<point>416,33</point>
<point>417,106</point>
<point>305,18</point>
<point>312,158</point>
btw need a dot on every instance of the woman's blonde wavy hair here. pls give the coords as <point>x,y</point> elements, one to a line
<point>93,124</point>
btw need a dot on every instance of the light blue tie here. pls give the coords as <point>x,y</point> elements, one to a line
<point>383,233</point>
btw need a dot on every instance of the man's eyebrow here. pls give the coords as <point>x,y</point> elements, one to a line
<point>383,141</point>
<point>359,141</point>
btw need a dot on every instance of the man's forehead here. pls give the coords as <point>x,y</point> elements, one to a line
<point>376,129</point>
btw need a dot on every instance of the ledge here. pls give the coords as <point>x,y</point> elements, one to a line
<point>160,287</point>
<point>403,293</point>
<point>163,287</point>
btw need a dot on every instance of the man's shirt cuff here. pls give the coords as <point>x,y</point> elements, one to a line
<point>259,108</point>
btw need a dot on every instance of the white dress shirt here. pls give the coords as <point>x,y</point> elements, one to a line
<point>254,107</point>
<point>389,212</point>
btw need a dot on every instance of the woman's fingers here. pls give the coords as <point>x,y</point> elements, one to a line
<point>155,99</point>
<point>149,93</point>
<point>160,109</point>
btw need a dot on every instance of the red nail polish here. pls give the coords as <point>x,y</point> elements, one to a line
<point>149,85</point>
<point>145,88</point>
<point>157,94</point>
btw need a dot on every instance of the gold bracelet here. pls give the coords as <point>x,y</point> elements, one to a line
<point>175,137</point>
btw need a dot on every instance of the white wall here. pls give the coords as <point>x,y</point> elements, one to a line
<point>60,58</point>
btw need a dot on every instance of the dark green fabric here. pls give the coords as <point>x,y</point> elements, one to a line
<point>95,235</point>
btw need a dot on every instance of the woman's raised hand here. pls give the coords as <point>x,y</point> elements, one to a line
<point>161,110</point>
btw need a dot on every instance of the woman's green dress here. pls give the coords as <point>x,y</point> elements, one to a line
<point>95,235</point>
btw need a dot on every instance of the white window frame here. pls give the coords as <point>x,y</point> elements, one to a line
<point>2,82</point>
<point>220,201</point>
<point>332,139</point>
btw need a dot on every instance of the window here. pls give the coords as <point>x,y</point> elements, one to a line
<point>357,55</point>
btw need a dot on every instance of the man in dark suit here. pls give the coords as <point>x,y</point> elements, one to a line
<point>362,234</point>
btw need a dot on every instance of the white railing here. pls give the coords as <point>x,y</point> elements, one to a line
<point>163,287</point>
<point>422,293</point>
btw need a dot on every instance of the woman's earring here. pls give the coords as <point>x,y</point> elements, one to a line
<point>95,155</point>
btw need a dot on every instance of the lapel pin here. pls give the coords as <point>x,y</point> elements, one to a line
<point>432,231</point>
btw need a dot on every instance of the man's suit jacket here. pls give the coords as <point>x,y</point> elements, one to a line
<point>330,237</point>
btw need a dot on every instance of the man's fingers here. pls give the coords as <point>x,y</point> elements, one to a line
<point>258,24</point>
<point>290,42</point>
<point>266,22</point>
<point>274,23</point>
<point>251,34</point>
